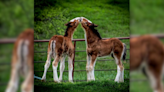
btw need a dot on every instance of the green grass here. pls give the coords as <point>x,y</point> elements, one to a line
<point>93,86</point>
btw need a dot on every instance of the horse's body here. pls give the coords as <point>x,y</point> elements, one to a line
<point>147,52</point>
<point>96,47</point>
<point>22,62</point>
<point>59,47</point>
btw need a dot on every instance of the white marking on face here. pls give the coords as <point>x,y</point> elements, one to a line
<point>86,19</point>
<point>77,18</point>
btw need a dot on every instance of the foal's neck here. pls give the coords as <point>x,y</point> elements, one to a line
<point>69,32</point>
<point>91,37</point>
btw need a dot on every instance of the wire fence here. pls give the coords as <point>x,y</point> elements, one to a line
<point>74,40</point>
<point>78,40</point>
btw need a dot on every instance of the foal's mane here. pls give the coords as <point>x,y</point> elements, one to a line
<point>66,31</point>
<point>95,31</point>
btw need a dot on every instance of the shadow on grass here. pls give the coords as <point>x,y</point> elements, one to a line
<point>93,86</point>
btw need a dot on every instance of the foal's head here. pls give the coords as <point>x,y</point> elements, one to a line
<point>71,26</point>
<point>73,23</point>
<point>86,24</point>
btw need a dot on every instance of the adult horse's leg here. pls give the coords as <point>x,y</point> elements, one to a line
<point>70,66</point>
<point>54,67</point>
<point>120,68</point>
<point>87,67</point>
<point>62,67</point>
<point>46,66</point>
<point>92,65</point>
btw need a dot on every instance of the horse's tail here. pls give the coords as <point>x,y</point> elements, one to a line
<point>123,55</point>
<point>51,47</point>
<point>124,52</point>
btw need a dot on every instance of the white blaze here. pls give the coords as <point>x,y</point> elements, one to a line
<point>86,19</point>
<point>77,18</point>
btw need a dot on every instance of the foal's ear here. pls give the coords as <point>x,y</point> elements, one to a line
<point>93,25</point>
<point>68,24</point>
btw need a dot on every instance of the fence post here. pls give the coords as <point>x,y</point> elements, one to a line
<point>74,58</point>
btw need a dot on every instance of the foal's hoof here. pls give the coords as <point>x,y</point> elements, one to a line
<point>43,80</point>
<point>56,81</point>
<point>119,81</point>
<point>70,81</point>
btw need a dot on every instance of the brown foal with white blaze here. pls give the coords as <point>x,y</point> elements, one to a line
<point>22,62</point>
<point>97,47</point>
<point>59,47</point>
<point>147,53</point>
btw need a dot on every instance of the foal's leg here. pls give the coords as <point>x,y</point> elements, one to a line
<point>54,67</point>
<point>13,83</point>
<point>27,85</point>
<point>70,66</point>
<point>120,69</point>
<point>87,67</point>
<point>46,66</point>
<point>155,76</point>
<point>91,68</point>
<point>62,67</point>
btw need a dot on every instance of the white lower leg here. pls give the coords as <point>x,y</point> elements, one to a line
<point>87,67</point>
<point>70,74</point>
<point>88,73</point>
<point>62,67</point>
<point>153,80</point>
<point>13,83</point>
<point>120,74</point>
<point>92,70</point>
<point>55,74</point>
<point>70,66</point>
<point>27,85</point>
<point>46,66</point>
<point>92,74</point>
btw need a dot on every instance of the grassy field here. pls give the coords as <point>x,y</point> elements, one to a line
<point>96,86</point>
<point>112,18</point>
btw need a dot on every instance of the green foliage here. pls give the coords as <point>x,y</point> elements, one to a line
<point>15,16</point>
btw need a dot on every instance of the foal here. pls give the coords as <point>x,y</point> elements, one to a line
<point>147,52</point>
<point>96,47</point>
<point>22,62</point>
<point>60,46</point>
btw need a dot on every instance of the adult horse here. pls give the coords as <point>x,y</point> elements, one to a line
<point>97,47</point>
<point>147,53</point>
<point>58,48</point>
